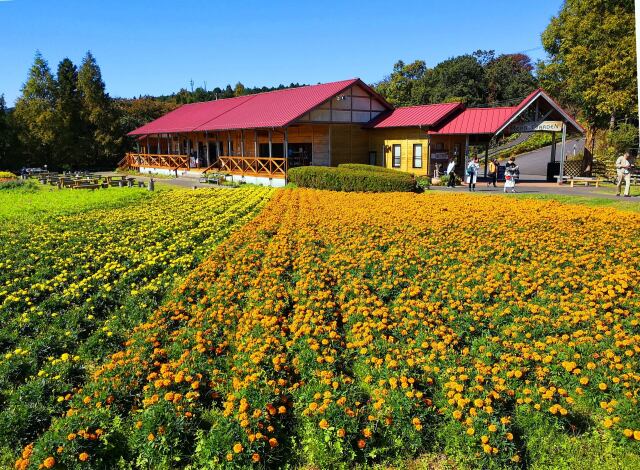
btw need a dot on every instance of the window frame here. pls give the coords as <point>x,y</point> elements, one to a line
<point>415,146</point>
<point>393,155</point>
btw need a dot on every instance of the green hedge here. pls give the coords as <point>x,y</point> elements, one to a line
<point>371,168</point>
<point>348,179</point>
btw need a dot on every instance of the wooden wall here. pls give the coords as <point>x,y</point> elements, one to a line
<point>349,144</point>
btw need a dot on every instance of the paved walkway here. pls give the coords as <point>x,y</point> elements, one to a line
<point>540,187</point>
<point>181,181</point>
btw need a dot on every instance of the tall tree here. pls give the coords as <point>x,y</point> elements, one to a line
<point>239,89</point>
<point>509,78</point>
<point>98,114</point>
<point>460,78</point>
<point>405,85</point>
<point>592,62</point>
<point>70,140</point>
<point>34,114</point>
<point>7,142</point>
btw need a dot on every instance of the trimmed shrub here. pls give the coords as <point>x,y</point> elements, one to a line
<point>350,180</point>
<point>371,168</point>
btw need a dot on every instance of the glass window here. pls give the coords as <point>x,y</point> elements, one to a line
<point>396,155</point>
<point>417,155</point>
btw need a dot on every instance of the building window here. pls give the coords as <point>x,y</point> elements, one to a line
<point>417,155</point>
<point>373,157</point>
<point>396,155</point>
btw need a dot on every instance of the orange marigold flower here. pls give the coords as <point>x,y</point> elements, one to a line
<point>49,462</point>
<point>83,457</point>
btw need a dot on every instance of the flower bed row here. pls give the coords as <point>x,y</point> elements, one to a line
<point>339,328</point>
<point>72,287</point>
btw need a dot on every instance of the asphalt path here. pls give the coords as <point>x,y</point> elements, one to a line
<point>533,165</point>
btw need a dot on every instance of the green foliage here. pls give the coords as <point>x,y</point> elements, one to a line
<point>371,168</point>
<point>25,186</point>
<point>478,78</point>
<point>509,77</point>
<point>592,60</point>
<point>34,114</point>
<point>70,136</point>
<point>622,138</point>
<point>347,179</point>
<point>536,141</point>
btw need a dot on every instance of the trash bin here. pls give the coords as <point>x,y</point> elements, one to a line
<point>553,169</point>
<point>501,172</point>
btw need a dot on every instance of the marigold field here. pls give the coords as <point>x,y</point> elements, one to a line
<point>332,330</point>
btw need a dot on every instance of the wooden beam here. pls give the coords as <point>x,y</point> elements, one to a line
<point>255,143</point>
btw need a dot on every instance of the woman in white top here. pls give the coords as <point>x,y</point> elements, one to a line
<point>451,173</point>
<point>511,173</point>
<point>472,173</point>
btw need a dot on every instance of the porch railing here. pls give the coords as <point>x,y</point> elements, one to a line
<point>253,166</point>
<point>152,160</point>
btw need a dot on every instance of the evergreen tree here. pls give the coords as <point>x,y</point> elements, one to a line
<point>34,114</point>
<point>7,143</point>
<point>70,139</point>
<point>99,115</point>
<point>460,78</point>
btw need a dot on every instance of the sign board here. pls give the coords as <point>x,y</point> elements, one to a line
<point>537,126</point>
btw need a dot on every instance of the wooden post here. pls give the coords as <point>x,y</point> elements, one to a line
<point>158,144</point>
<point>270,150</point>
<point>197,150</point>
<point>255,143</point>
<point>285,146</point>
<point>486,159</point>
<point>229,143</point>
<point>206,139</point>
<point>242,143</point>
<point>148,146</point>
<point>553,147</point>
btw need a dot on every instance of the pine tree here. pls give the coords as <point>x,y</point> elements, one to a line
<point>98,114</point>
<point>34,114</point>
<point>5,136</point>
<point>70,138</point>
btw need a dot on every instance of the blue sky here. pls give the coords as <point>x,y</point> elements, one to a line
<point>158,46</point>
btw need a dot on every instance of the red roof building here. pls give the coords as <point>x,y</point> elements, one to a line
<point>262,135</point>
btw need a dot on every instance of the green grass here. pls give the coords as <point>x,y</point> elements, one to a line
<point>623,204</point>
<point>33,203</point>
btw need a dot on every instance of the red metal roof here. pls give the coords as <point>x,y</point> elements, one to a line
<point>188,117</point>
<point>477,121</point>
<point>271,109</point>
<point>425,115</point>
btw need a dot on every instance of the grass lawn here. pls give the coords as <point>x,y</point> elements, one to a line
<point>623,204</point>
<point>38,201</point>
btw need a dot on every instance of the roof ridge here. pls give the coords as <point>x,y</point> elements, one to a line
<point>428,104</point>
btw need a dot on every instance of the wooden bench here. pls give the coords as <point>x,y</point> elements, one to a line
<point>87,186</point>
<point>586,180</point>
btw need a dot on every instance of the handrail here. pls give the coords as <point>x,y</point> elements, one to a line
<point>156,160</point>
<point>258,166</point>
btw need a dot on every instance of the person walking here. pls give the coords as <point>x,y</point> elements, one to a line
<point>493,173</point>
<point>511,173</point>
<point>472,173</point>
<point>624,174</point>
<point>451,172</point>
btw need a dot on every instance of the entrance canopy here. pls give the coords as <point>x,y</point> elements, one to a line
<point>530,115</point>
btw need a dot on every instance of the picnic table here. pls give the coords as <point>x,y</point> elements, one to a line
<point>216,178</point>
